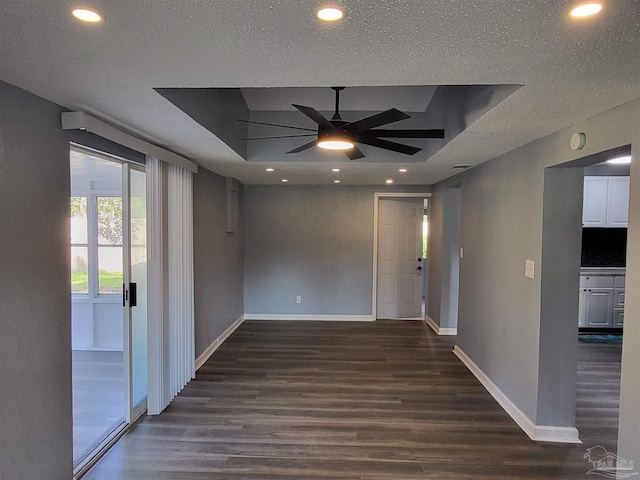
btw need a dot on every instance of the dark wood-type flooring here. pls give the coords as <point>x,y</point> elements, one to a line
<point>365,401</point>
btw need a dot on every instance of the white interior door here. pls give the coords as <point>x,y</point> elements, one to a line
<point>400,262</point>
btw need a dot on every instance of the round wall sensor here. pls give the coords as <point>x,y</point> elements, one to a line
<point>578,140</point>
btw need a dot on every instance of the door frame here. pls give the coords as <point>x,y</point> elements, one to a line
<point>133,412</point>
<point>376,208</point>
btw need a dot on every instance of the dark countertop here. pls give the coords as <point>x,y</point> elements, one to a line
<point>595,271</point>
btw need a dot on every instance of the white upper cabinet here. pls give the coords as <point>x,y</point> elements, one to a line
<point>618,202</point>
<point>606,202</point>
<point>594,206</point>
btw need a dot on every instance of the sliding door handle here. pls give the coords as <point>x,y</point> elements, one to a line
<point>130,294</point>
<point>133,294</point>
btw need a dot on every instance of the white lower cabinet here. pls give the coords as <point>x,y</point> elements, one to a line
<point>599,307</point>
<point>601,303</point>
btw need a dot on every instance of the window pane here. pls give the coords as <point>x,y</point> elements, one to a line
<point>110,276</point>
<point>109,220</point>
<point>79,220</point>
<point>79,270</point>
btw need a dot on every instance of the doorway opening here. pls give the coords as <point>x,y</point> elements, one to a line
<point>108,297</point>
<point>582,292</point>
<point>605,216</point>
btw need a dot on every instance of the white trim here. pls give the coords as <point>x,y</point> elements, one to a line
<point>217,342</point>
<point>139,411</point>
<point>436,328</point>
<point>376,198</point>
<point>539,433</point>
<point>556,434</point>
<point>99,451</point>
<point>305,318</point>
<point>82,121</point>
<point>127,326</point>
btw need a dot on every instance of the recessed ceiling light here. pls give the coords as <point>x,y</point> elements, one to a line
<point>336,181</point>
<point>620,160</point>
<point>270,170</point>
<point>86,15</point>
<point>330,13</point>
<point>586,9</point>
<point>335,169</point>
<point>388,180</point>
<point>402,170</point>
<point>284,180</point>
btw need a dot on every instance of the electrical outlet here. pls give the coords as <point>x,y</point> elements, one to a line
<point>298,299</point>
<point>529,269</point>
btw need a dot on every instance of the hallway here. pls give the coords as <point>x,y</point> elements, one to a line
<point>382,400</point>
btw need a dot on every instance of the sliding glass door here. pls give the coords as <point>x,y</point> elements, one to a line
<point>108,284</point>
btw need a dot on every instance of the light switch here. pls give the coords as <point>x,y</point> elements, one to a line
<point>461,252</point>
<point>529,269</point>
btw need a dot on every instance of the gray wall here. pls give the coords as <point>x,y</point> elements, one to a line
<point>451,258</point>
<point>444,256</point>
<point>313,241</point>
<point>35,345</point>
<point>498,313</point>
<point>434,253</point>
<point>507,321</point>
<point>629,426</point>
<point>218,260</point>
<point>559,275</point>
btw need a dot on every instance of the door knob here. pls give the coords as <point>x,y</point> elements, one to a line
<point>419,259</point>
<point>419,267</point>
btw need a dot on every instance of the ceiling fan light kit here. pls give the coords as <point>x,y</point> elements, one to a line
<point>332,140</point>
<point>336,134</point>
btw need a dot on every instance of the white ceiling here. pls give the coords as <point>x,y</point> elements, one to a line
<point>570,69</point>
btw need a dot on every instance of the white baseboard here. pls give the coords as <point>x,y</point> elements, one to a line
<point>293,316</point>
<point>139,411</point>
<point>436,328</point>
<point>539,433</point>
<point>217,342</point>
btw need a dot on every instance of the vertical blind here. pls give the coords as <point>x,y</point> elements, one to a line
<point>181,340</point>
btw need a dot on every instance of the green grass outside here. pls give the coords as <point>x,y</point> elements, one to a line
<point>110,282</point>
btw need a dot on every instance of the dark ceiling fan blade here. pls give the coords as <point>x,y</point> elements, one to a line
<point>304,147</point>
<point>383,118</point>
<point>278,125</point>
<point>380,133</point>
<point>387,145</point>
<point>354,153</point>
<point>316,116</point>
<point>281,136</point>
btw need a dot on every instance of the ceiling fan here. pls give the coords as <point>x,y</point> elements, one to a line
<point>336,134</point>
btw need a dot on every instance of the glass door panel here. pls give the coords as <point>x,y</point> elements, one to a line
<point>98,369</point>
<point>138,261</point>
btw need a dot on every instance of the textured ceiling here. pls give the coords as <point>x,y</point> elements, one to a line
<point>569,70</point>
